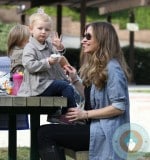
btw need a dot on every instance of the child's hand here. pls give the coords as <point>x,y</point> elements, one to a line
<point>52,60</point>
<point>57,41</point>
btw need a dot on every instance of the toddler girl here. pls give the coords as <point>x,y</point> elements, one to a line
<point>43,75</point>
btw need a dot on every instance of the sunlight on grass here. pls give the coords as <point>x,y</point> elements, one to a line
<point>23,153</point>
<point>140,91</point>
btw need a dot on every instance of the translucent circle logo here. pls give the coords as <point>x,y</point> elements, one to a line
<point>130,140</point>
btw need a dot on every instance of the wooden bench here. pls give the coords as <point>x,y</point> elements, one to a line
<point>13,105</point>
<point>77,155</point>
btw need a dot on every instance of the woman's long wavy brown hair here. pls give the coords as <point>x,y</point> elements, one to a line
<point>94,69</point>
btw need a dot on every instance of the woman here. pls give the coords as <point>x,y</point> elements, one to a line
<point>106,71</point>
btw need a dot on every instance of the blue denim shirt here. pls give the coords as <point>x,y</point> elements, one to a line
<point>114,93</point>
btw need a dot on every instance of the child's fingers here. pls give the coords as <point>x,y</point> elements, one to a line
<point>61,36</point>
<point>56,34</point>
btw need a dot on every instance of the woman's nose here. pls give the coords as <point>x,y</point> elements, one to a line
<point>83,40</point>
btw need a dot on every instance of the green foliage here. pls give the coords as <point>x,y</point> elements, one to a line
<point>141,64</point>
<point>92,14</point>
<point>52,11</point>
<point>49,10</point>
<point>142,56</point>
<point>73,56</point>
<point>141,67</point>
<point>4,29</point>
<point>142,17</point>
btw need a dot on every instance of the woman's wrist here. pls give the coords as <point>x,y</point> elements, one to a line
<point>75,79</point>
<point>86,115</point>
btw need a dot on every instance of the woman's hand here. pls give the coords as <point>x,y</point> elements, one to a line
<point>57,41</point>
<point>75,114</point>
<point>74,79</point>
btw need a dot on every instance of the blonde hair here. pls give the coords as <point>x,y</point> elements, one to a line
<point>16,36</point>
<point>39,16</point>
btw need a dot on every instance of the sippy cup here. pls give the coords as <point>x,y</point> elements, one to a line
<point>17,80</point>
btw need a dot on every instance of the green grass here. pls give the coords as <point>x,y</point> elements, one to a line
<point>140,91</point>
<point>23,153</point>
<point>147,154</point>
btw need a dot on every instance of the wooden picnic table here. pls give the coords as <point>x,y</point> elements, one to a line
<point>13,105</point>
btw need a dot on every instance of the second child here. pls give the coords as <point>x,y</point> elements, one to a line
<point>17,38</point>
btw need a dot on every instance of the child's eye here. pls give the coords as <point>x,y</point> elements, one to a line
<point>40,28</point>
<point>47,29</point>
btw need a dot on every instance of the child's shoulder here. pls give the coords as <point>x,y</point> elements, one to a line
<point>17,52</point>
<point>29,45</point>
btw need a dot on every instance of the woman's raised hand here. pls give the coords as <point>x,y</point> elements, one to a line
<point>71,71</point>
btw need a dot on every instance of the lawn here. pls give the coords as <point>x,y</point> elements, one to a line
<point>24,154</point>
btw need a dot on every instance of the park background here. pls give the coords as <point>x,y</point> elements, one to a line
<point>71,34</point>
<point>139,90</point>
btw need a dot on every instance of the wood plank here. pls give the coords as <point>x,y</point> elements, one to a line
<point>19,101</point>
<point>47,101</point>
<point>5,101</point>
<point>53,101</point>
<point>60,101</point>
<point>33,101</point>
